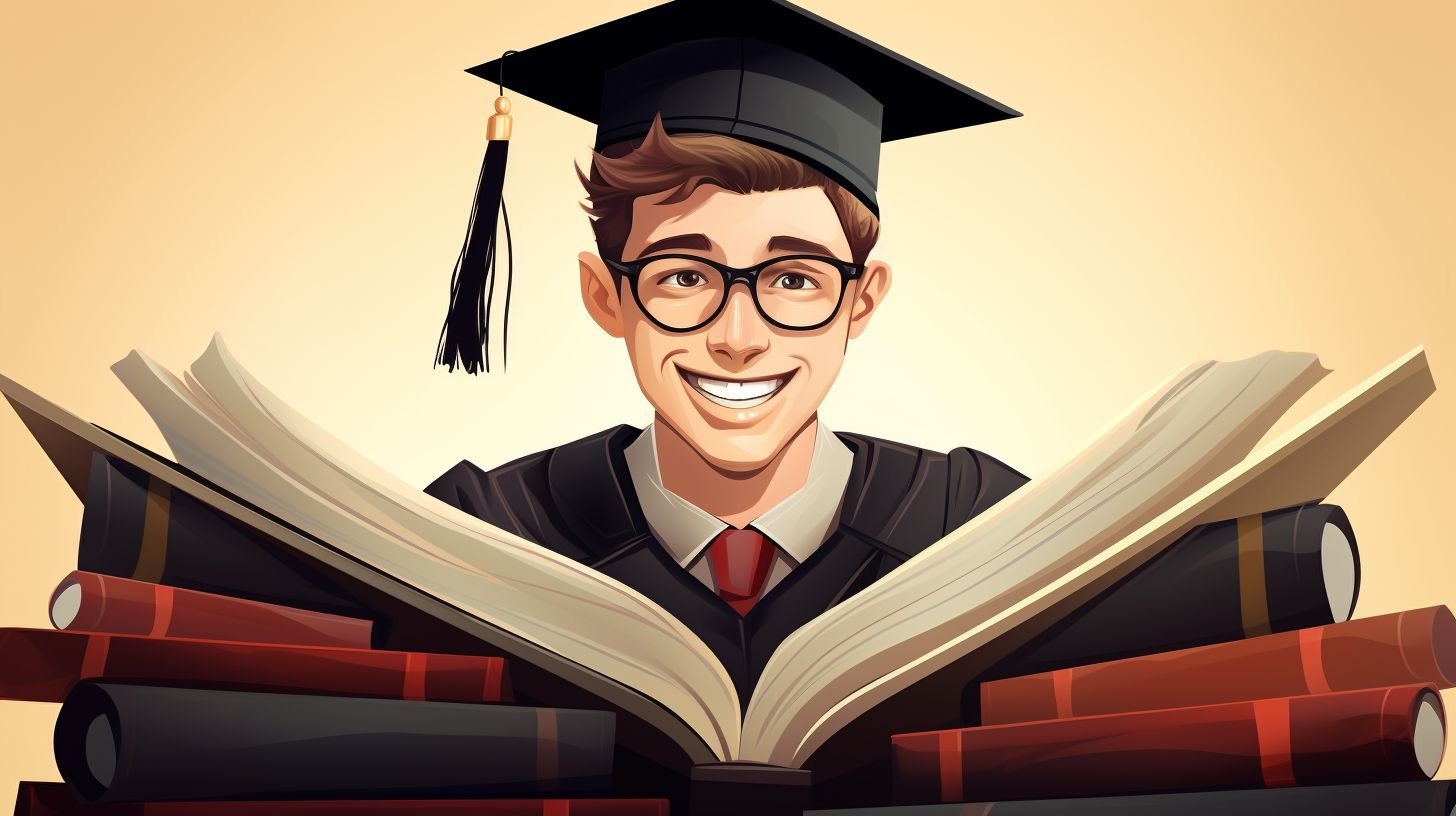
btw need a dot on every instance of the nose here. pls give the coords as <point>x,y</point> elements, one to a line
<point>738,336</point>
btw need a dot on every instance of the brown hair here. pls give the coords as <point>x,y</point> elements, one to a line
<point>622,172</point>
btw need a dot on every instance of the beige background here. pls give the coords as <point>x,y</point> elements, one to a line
<point>1191,180</point>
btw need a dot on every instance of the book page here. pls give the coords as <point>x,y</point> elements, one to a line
<point>1302,465</point>
<point>1160,451</point>
<point>268,454</point>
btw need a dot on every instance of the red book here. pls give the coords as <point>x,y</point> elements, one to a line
<point>91,602</point>
<point>41,665</point>
<point>1417,646</point>
<point>54,799</point>
<point>1372,735</point>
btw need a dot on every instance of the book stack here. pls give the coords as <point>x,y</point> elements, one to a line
<point>273,624</point>
<point>1352,702</point>
<point>172,697</point>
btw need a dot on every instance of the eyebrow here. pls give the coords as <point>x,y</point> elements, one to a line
<point>788,243</point>
<point>695,240</point>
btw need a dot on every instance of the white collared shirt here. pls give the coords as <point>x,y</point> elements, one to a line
<point>798,524</point>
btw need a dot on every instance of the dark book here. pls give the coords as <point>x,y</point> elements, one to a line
<point>1415,646</point>
<point>92,602</point>
<point>42,666</point>
<point>127,743</point>
<point>137,526</point>
<point>1434,798</point>
<point>54,799</point>
<point>1287,569</point>
<point>1372,735</point>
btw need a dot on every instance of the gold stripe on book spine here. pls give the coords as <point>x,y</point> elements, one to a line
<point>1253,596</point>
<point>153,555</point>
<point>547,768</point>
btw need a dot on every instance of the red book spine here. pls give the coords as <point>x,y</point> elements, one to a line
<point>1416,646</point>
<point>53,799</point>
<point>1371,735</point>
<point>91,602</point>
<point>41,665</point>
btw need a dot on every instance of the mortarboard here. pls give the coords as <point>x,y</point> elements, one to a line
<point>763,71</point>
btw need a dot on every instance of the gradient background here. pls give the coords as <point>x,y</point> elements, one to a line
<point>1190,180</point>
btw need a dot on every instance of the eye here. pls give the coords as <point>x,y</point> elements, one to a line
<point>685,279</point>
<point>794,280</point>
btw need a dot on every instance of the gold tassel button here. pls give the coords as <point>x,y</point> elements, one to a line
<point>498,129</point>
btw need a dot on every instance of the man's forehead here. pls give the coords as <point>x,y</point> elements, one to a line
<point>713,219</point>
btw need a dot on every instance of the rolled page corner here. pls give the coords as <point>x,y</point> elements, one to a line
<point>131,360</point>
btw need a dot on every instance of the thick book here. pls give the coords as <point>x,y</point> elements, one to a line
<point>1183,456</point>
<point>137,525</point>
<point>1415,646</point>
<point>1433,798</point>
<point>42,666</point>
<point>92,602</point>
<point>1276,571</point>
<point>54,799</point>
<point>1371,735</point>
<point>117,743</point>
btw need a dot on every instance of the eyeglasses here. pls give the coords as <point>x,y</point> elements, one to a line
<point>683,293</point>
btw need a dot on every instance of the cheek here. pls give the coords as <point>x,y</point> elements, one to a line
<point>650,350</point>
<point>821,358</point>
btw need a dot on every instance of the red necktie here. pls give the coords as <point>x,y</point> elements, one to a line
<point>740,560</point>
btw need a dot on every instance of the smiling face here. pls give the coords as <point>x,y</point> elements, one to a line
<point>739,388</point>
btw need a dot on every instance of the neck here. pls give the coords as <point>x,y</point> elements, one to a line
<point>737,497</point>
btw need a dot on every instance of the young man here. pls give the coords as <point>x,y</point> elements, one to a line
<point>732,197</point>
<point>735,509</point>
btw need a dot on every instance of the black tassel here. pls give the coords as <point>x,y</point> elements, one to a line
<point>465,337</point>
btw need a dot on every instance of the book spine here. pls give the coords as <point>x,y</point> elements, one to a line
<point>1226,580</point>
<point>134,526</point>
<point>119,743</point>
<point>1372,735</point>
<point>53,799</point>
<point>92,602</point>
<point>1415,646</point>
<point>42,666</point>
<point>1434,798</point>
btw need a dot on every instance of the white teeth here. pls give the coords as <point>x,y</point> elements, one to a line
<point>733,394</point>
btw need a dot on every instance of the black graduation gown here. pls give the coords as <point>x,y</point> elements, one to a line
<point>578,500</point>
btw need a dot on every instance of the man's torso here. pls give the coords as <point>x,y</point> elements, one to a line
<point>578,499</point>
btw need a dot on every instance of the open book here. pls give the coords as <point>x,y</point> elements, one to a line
<point>1176,458</point>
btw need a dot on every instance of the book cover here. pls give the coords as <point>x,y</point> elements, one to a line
<point>1433,798</point>
<point>1372,735</point>
<point>1274,571</point>
<point>119,743</point>
<point>55,799</point>
<point>93,602</point>
<point>42,666</point>
<point>1414,646</point>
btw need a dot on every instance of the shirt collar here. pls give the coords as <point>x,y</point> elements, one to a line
<point>798,524</point>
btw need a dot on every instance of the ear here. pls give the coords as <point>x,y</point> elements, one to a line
<point>869,292</point>
<point>600,295</point>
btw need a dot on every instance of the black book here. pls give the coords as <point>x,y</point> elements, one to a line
<point>118,743</point>
<point>1288,569</point>
<point>1433,798</point>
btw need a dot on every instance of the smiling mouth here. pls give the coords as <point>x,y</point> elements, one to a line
<point>736,393</point>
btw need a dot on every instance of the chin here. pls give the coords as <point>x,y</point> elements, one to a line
<point>738,450</point>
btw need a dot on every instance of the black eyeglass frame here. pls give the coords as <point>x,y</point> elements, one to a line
<point>732,274</point>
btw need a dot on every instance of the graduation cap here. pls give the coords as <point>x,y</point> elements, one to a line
<point>762,71</point>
